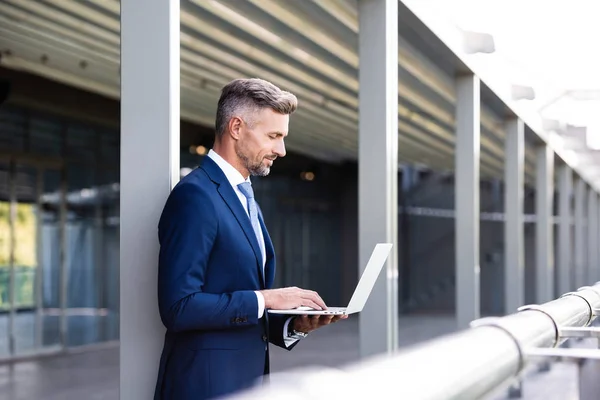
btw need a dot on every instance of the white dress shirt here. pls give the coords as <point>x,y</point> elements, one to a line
<point>235,178</point>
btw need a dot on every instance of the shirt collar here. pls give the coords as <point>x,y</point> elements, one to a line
<point>233,175</point>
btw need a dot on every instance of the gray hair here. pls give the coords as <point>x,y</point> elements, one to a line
<point>246,96</point>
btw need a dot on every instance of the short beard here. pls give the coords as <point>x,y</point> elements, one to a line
<point>254,168</point>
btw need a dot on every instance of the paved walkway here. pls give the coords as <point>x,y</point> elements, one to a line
<point>94,375</point>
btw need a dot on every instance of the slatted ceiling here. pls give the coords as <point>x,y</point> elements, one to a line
<point>337,30</point>
<point>95,18</point>
<point>225,39</point>
<point>204,3</point>
<point>247,28</point>
<point>60,55</point>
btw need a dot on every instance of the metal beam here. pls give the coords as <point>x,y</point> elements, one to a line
<point>378,168</point>
<point>544,244</point>
<point>467,199</point>
<point>514,260</point>
<point>580,233</point>
<point>470,364</point>
<point>565,256</point>
<point>150,115</point>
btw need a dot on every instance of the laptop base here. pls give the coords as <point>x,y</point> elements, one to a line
<point>329,311</point>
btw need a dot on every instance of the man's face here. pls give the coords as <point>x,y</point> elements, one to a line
<point>261,141</point>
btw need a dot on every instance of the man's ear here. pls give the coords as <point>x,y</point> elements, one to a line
<point>235,127</point>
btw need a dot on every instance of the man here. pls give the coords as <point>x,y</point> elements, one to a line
<point>217,261</point>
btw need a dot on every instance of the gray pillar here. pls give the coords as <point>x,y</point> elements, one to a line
<point>544,226</point>
<point>467,199</point>
<point>565,256</point>
<point>149,169</point>
<point>378,167</point>
<point>514,259</point>
<point>580,234</point>
<point>595,270</point>
<point>592,234</point>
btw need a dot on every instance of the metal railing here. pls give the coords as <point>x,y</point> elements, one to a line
<point>468,364</point>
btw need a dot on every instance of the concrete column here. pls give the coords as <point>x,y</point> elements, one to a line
<point>466,191</point>
<point>544,226</point>
<point>149,169</point>
<point>580,234</point>
<point>595,271</point>
<point>592,234</point>
<point>514,260</point>
<point>565,256</point>
<point>378,167</point>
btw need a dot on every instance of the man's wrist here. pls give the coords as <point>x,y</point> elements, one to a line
<point>296,331</point>
<point>297,334</point>
<point>261,303</point>
<point>266,299</point>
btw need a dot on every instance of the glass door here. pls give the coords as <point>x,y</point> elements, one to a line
<point>29,257</point>
<point>50,295</point>
<point>6,270</point>
<point>24,262</point>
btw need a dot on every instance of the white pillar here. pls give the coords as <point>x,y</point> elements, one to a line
<point>592,234</point>
<point>565,256</point>
<point>466,191</point>
<point>149,169</point>
<point>378,167</point>
<point>514,259</point>
<point>580,234</point>
<point>595,271</point>
<point>545,225</point>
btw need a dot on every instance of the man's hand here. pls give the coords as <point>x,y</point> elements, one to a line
<point>308,323</point>
<point>292,297</point>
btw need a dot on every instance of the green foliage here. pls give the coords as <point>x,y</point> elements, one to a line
<point>24,285</point>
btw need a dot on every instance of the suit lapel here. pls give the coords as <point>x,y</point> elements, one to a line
<point>233,202</point>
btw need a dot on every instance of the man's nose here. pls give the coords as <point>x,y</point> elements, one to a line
<point>279,149</point>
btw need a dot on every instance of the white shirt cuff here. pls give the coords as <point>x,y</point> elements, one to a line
<point>261,304</point>
<point>288,341</point>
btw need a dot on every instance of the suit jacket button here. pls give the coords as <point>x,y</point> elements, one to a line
<point>264,338</point>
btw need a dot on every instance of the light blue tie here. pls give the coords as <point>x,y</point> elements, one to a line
<point>246,189</point>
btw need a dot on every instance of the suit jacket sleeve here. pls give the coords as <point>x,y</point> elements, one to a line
<point>187,230</point>
<point>276,324</point>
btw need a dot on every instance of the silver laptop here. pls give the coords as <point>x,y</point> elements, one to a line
<point>361,293</point>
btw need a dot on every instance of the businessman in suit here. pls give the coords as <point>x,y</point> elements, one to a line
<point>217,261</point>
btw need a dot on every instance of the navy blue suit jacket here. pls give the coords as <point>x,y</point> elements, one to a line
<point>209,268</point>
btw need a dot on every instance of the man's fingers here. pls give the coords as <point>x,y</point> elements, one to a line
<point>312,304</point>
<point>309,295</point>
<point>314,301</point>
<point>313,296</point>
